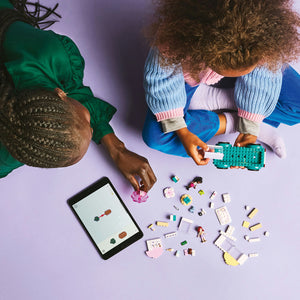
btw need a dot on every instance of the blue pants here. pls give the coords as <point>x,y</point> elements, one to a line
<point>205,124</point>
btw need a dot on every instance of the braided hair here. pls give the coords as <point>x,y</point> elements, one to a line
<point>37,127</point>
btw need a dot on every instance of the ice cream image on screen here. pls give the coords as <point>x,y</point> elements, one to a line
<point>106,213</point>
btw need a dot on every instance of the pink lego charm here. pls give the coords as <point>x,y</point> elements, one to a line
<point>169,192</point>
<point>139,196</point>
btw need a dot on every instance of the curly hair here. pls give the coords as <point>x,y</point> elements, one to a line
<point>225,34</point>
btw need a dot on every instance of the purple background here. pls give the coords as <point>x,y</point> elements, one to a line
<point>44,253</point>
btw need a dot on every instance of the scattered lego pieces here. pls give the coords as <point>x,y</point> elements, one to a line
<point>171,234</point>
<point>213,195</point>
<point>183,243</point>
<point>139,196</point>
<point>169,192</point>
<point>202,212</point>
<point>194,183</point>
<point>163,224</point>
<point>155,248</point>
<point>246,224</point>
<point>151,226</point>
<point>267,233</point>
<point>253,212</point>
<point>211,205</point>
<point>175,207</point>
<point>252,254</point>
<point>226,198</point>
<point>201,234</point>
<point>223,215</point>
<point>186,199</point>
<point>172,217</point>
<point>177,253</point>
<point>192,209</point>
<point>175,178</point>
<point>252,240</point>
<point>255,227</point>
<point>201,192</point>
<point>185,224</point>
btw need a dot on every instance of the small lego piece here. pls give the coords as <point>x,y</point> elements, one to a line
<point>255,227</point>
<point>201,192</point>
<point>172,217</point>
<point>229,230</point>
<point>176,207</point>
<point>211,205</point>
<point>193,184</point>
<point>226,198</point>
<point>193,252</point>
<point>175,178</point>
<point>252,254</point>
<point>213,195</point>
<point>228,236</point>
<point>184,222</point>
<point>139,196</point>
<point>267,233</point>
<point>171,234</point>
<point>201,234</point>
<point>155,248</point>
<point>246,237</point>
<point>177,253</point>
<point>170,249</point>
<point>163,224</point>
<point>223,215</point>
<point>186,199</point>
<point>214,152</point>
<point>185,251</point>
<point>183,243</point>
<point>169,192</point>
<point>247,207</point>
<point>245,224</point>
<point>190,250</point>
<point>192,209</point>
<point>151,226</point>
<point>202,212</point>
<point>253,212</point>
<point>256,239</point>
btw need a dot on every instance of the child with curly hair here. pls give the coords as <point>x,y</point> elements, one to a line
<point>199,49</point>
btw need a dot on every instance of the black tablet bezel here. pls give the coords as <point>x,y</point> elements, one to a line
<point>91,189</point>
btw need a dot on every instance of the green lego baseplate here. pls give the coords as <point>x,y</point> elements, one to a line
<point>251,157</point>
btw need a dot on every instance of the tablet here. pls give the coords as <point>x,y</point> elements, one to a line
<point>104,217</point>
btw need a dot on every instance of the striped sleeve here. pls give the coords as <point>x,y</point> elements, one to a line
<point>164,88</point>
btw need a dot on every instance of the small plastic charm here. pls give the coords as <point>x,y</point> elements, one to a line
<point>139,196</point>
<point>169,192</point>
<point>194,182</point>
<point>186,199</point>
<point>175,178</point>
<point>201,234</point>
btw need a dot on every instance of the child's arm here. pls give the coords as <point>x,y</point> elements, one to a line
<point>256,95</point>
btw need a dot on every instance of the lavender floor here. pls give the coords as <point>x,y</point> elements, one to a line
<point>44,253</point>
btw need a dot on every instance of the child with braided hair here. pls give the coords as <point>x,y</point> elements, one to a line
<point>47,116</point>
<point>197,44</point>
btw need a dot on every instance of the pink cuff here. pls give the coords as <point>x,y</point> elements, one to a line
<point>250,116</point>
<point>173,113</point>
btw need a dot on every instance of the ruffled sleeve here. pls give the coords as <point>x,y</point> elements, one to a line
<point>72,82</point>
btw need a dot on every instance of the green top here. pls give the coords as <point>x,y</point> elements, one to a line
<point>38,58</point>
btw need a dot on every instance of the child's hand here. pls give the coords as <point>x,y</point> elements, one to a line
<point>191,144</point>
<point>244,139</point>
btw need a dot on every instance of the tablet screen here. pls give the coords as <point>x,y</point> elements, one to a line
<point>105,218</point>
